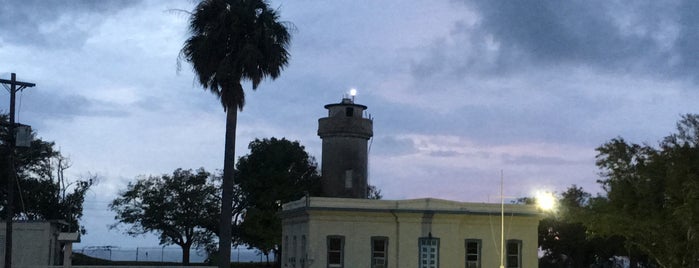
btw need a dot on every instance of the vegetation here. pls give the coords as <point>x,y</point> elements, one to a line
<point>652,195</point>
<point>374,192</point>
<point>180,208</point>
<point>275,171</point>
<point>564,238</point>
<point>649,210</point>
<point>43,191</point>
<point>232,41</point>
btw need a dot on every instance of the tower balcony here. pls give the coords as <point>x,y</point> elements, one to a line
<point>345,127</point>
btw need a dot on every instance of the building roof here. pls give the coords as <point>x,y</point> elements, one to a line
<point>420,205</point>
<point>69,237</point>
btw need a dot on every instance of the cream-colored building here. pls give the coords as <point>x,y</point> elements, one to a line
<point>336,231</point>
<point>420,233</point>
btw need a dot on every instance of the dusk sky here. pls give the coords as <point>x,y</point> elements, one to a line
<point>459,90</point>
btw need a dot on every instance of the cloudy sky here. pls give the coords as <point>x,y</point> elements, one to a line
<point>459,90</point>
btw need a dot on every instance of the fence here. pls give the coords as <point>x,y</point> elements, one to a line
<point>164,254</point>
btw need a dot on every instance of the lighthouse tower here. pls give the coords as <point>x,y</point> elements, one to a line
<point>345,133</point>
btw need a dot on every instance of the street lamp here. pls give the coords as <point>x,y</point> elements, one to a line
<point>544,200</point>
<point>502,223</point>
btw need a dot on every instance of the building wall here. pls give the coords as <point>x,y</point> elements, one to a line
<point>341,154</point>
<point>33,243</point>
<point>358,222</point>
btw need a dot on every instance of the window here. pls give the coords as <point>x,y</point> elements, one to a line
<point>514,254</point>
<point>349,111</point>
<point>473,253</point>
<point>429,252</point>
<point>379,250</point>
<point>292,260</point>
<point>302,259</point>
<point>285,249</point>
<point>348,179</point>
<point>336,248</point>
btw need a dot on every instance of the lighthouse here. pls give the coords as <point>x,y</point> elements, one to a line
<point>345,133</point>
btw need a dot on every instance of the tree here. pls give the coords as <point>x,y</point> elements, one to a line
<point>232,41</point>
<point>177,207</point>
<point>275,171</point>
<point>373,192</point>
<point>652,195</point>
<point>564,239</point>
<point>44,193</point>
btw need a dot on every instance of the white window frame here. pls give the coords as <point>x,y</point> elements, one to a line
<point>428,248</point>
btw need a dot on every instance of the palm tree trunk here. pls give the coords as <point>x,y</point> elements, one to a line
<point>224,243</point>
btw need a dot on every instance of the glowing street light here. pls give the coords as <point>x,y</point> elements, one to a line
<point>546,201</point>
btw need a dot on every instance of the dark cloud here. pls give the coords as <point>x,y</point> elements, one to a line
<point>563,117</point>
<point>648,37</point>
<point>688,40</point>
<point>53,23</point>
<point>44,106</point>
<point>555,31</point>
<point>467,50</point>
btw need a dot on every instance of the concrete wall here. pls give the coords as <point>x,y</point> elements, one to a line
<point>33,243</point>
<point>451,222</point>
<point>341,154</point>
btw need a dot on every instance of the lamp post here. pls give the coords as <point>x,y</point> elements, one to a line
<point>545,201</point>
<point>502,223</point>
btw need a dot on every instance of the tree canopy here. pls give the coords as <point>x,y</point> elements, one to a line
<point>232,41</point>
<point>373,192</point>
<point>652,195</point>
<point>275,171</point>
<point>43,191</point>
<point>564,239</point>
<point>180,208</point>
<point>649,210</point>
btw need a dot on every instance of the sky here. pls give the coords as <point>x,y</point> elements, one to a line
<point>460,91</point>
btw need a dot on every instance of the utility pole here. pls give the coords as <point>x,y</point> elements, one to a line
<point>12,178</point>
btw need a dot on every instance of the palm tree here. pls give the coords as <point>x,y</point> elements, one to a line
<point>233,41</point>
